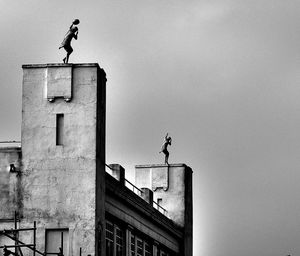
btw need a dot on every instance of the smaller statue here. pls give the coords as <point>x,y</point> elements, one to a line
<point>66,43</point>
<point>164,147</point>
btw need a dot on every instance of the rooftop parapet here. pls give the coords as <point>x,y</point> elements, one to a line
<point>118,172</point>
<point>172,190</point>
<point>10,144</point>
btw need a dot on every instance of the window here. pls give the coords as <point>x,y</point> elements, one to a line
<point>57,238</point>
<point>119,241</point>
<point>148,249</point>
<point>59,129</point>
<point>114,240</point>
<point>163,251</point>
<point>109,239</point>
<point>159,201</point>
<point>136,244</point>
<point>132,245</point>
<point>139,246</point>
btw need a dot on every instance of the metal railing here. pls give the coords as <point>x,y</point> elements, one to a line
<point>109,169</point>
<point>133,188</point>
<point>138,192</point>
<point>160,208</point>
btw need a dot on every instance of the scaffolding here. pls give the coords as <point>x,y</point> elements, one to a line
<point>13,234</point>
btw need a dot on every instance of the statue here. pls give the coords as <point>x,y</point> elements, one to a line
<point>164,148</point>
<point>66,43</point>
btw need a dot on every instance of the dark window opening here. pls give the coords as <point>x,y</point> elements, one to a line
<point>59,129</point>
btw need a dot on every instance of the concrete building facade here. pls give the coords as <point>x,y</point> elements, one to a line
<point>59,180</point>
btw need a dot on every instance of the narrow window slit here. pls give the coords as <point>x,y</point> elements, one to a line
<point>59,129</point>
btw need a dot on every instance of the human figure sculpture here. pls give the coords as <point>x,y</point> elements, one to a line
<point>164,148</point>
<point>66,43</point>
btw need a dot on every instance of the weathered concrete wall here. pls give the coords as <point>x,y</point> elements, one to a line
<point>59,181</point>
<point>167,183</point>
<point>173,185</point>
<point>10,196</point>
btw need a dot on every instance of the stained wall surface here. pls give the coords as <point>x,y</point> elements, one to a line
<point>10,194</point>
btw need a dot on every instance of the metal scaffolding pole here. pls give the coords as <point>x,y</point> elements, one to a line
<point>19,244</point>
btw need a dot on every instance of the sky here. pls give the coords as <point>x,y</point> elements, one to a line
<point>221,76</point>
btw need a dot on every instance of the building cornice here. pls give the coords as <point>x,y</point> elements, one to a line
<point>127,196</point>
<point>10,149</point>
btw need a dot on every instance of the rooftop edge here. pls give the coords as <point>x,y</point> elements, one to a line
<point>160,165</point>
<point>10,149</point>
<point>60,65</point>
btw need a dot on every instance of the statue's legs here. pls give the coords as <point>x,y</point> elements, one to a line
<point>67,60</point>
<point>69,51</point>
<point>166,157</point>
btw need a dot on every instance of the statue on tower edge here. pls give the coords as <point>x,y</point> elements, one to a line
<point>66,43</point>
<point>164,147</point>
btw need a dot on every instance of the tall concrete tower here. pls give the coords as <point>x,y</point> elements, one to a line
<point>172,189</point>
<point>63,155</point>
<point>57,178</point>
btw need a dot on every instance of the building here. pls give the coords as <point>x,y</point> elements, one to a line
<point>58,194</point>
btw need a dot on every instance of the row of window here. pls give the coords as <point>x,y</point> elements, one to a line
<point>137,245</point>
<point>115,241</point>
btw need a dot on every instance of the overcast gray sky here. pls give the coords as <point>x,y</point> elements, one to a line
<point>222,77</point>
